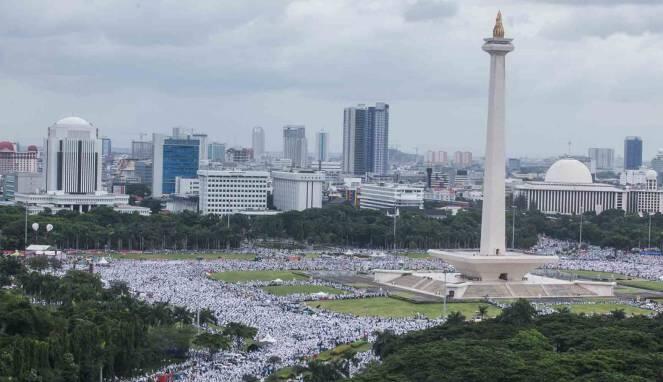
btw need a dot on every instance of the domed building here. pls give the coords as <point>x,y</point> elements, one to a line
<point>73,170</point>
<point>568,188</point>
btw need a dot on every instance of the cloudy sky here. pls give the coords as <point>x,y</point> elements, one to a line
<point>585,71</point>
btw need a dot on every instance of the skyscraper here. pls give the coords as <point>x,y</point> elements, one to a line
<point>216,152</point>
<point>73,157</point>
<point>258,142</point>
<point>321,146</point>
<point>632,153</point>
<point>294,145</point>
<point>173,157</point>
<point>657,165</point>
<point>602,158</point>
<point>141,150</point>
<point>106,148</point>
<point>366,139</point>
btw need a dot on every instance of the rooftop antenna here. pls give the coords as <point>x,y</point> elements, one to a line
<point>569,153</point>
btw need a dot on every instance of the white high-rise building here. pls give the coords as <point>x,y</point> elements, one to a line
<point>297,190</point>
<point>321,146</point>
<point>258,142</point>
<point>73,170</point>
<point>73,157</point>
<point>294,145</point>
<point>231,191</point>
<point>602,158</point>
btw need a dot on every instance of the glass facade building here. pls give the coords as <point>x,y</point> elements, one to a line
<point>180,158</point>
<point>632,153</point>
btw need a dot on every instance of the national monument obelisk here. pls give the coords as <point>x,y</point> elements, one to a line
<point>493,238</point>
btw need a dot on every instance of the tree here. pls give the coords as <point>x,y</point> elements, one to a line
<point>455,318</point>
<point>212,342</point>
<point>618,314</point>
<point>38,263</point>
<point>520,312</point>
<point>483,310</point>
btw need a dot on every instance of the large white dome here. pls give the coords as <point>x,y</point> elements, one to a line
<point>72,122</point>
<point>569,171</point>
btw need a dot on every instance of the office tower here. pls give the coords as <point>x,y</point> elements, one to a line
<point>514,164</point>
<point>321,146</point>
<point>436,157</point>
<point>73,157</point>
<point>106,148</point>
<point>216,152</point>
<point>230,191</point>
<point>258,142</point>
<point>294,145</point>
<point>173,157</point>
<point>602,158</point>
<point>657,165</point>
<point>141,150</point>
<point>632,153</point>
<point>366,139</point>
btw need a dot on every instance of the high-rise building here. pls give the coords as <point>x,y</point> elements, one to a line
<point>73,157</point>
<point>239,154</point>
<point>462,159</point>
<point>632,153</point>
<point>141,150</point>
<point>173,157</point>
<point>298,190</point>
<point>11,160</point>
<point>202,152</point>
<point>230,191</point>
<point>294,145</point>
<point>106,148</point>
<point>258,142</point>
<point>657,165</point>
<point>602,158</point>
<point>366,139</point>
<point>321,146</point>
<point>216,152</point>
<point>436,157</point>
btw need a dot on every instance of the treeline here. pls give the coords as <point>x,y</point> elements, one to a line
<point>72,329</point>
<point>335,226</point>
<point>520,346</point>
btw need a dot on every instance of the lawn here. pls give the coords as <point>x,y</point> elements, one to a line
<point>595,274</point>
<point>284,290</point>
<point>416,255</point>
<point>390,307</point>
<point>184,256</point>
<point>241,276</point>
<point>643,284</point>
<point>605,309</point>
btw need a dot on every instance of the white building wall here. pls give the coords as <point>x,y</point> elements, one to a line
<point>230,191</point>
<point>297,190</point>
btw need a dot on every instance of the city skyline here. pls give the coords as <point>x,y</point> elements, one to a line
<point>306,80</point>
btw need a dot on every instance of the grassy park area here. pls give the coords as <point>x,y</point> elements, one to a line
<point>622,280</point>
<point>643,284</point>
<point>184,256</point>
<point>417,255</point>
<point>242,276</point>
<point>284,290</point>
<point>390,307</point>
<point>605,308</point>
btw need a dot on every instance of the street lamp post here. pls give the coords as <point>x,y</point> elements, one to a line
<point>649,239</point>
<point>394,215</point>
<point>513,227</point>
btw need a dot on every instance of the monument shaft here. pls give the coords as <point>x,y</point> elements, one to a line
<point>493,237</point>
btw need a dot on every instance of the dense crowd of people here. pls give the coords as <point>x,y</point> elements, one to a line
<point>298,331</point>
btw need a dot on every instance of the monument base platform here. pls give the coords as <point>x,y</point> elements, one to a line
<point>457,287</point>
<point>511,266</point>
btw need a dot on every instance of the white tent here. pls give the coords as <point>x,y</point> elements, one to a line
<point>267,340</point>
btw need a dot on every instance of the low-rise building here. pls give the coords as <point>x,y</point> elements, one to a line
<point>297,190</point>
<point>390,196</point>
<point>232,191</point>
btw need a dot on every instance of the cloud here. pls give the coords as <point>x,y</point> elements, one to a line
<point>597,3</point>
<point>606,22</point>
<point>430,10</point>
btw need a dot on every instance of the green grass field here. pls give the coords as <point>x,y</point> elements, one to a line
<point>643,284</point>
<point>284,290</point>
<point>596,275</point>
<point>390,307</point>
<point>184,256</point>
<point>605,308</point>
<point>416,255</point>
<point>240,276</point>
